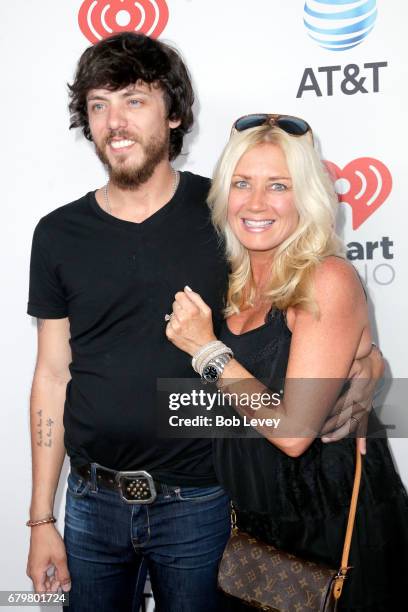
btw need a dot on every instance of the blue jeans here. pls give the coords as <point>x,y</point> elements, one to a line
<point>178,539</point>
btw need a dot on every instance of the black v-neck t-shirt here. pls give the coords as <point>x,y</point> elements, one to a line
<point>115,280</point>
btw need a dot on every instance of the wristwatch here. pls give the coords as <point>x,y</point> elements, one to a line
<point>213,370</point>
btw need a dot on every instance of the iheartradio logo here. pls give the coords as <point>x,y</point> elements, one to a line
<point>99,19</point>
<point>365,183</point>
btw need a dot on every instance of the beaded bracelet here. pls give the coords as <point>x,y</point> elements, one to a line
<point>50,519</point>
<point>204,349</point>
<point>206,353</point>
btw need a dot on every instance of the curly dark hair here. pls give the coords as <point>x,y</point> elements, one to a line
<point>124,59</point>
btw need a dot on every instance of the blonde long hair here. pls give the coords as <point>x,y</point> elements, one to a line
<point>290,279</point>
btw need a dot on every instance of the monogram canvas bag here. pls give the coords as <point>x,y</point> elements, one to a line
<point>276,581</point>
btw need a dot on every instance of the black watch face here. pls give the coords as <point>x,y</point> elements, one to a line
<point>210,373</point>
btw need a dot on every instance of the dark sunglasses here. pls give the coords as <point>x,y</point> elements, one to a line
<point>289,124</point>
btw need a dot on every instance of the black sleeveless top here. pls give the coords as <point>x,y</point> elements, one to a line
<point>301,504</point>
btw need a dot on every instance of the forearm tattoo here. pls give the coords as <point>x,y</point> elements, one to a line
<point>44,427</point>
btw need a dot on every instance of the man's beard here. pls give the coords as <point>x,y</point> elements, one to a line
<point>130,177</point>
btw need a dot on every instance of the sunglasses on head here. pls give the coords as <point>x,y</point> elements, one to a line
<point>289,124</point>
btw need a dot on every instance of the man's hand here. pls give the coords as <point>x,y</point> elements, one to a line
<point>47,550</point>
<point>351,411</point>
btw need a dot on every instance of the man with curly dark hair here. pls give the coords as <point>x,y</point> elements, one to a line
<point>104,272</point>
<point>128,59</point>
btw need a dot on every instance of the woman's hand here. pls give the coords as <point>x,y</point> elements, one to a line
<point>190,325</point>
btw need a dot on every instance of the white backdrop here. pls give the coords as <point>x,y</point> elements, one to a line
<point>244,57</point>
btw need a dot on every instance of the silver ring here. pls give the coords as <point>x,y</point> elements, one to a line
<point>167,317</point>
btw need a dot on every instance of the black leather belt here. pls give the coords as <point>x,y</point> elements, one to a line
<point>135,487</point>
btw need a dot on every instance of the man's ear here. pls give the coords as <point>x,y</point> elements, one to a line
<point>173,123</point>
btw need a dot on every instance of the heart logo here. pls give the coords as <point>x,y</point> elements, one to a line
<point>99,19</point>
<point>364,184</point>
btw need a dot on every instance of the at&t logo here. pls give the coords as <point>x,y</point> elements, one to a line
<point>99,19</point>
<point>365,184</point>
<point>339,24</point>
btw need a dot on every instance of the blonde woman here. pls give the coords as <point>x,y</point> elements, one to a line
<point>296,311</point>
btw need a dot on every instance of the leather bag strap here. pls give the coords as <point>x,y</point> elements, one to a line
<point>342,573</point>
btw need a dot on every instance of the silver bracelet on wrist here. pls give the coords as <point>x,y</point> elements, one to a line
<point>206,353</point>
<point>203,350</point>
<point>210,360</point>
<point>207,358</point>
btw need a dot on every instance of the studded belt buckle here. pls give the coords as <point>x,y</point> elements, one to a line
<point>136,487</point>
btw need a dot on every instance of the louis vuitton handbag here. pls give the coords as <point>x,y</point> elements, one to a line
<point>276,581</point>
